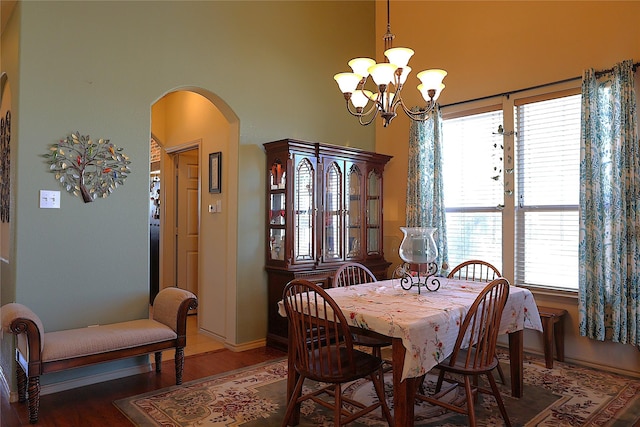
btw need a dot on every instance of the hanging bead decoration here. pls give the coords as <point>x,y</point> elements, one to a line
<point>5,138</point>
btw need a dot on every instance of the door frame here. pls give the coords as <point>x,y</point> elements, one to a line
<point>168,268</point>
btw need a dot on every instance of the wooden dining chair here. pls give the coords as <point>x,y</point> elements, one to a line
<point>475,270</point>
<point>478,271</point>
<point>474,353</point>
<point>354,273</point>
<point>313,317</point>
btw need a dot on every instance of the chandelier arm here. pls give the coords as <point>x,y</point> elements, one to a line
<point>375,106</point>
<point>378,103</point>
<point>368,122</point>
<point>397,99</point>
<point>422,114</point>
<point>371,109</point>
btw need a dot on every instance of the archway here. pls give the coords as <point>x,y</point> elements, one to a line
<point>182,119</point>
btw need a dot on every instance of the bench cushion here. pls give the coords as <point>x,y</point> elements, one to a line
<point>99,339</point>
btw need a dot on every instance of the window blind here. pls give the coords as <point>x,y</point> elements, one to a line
<point>547,193</point>
<point>473,187</point>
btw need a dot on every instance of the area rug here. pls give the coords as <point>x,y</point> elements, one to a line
<point>567,395</point>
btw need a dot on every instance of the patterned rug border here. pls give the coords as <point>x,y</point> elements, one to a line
<point>123,404</point>
<point>561,406</point>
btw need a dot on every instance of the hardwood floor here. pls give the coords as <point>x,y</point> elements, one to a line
<point>93,405</point>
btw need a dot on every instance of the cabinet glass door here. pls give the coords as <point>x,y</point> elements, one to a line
<point>277,206</point>
<point>374,210</point>
<point>277,226</point>
<point>353,221</point>
<point>303,211</point>
<point>277,176</point>
<point>333,212</point>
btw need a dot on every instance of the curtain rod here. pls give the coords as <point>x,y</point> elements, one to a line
<point>598,73</point>
<point>634,67</point>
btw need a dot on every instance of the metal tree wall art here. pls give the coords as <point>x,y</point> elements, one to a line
<point>88,168</point>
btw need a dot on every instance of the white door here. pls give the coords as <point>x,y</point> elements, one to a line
<point>187,220</point>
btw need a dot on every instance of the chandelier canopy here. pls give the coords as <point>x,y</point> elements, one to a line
<point>389,78</point>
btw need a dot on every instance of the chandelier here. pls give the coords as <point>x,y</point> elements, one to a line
<point>389,78</point>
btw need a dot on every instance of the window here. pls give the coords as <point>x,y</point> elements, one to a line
<point>548,172</point>
<point>511,183</point>
<point>472,159</point>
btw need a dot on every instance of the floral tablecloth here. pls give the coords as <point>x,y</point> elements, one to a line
<point>428,322</point>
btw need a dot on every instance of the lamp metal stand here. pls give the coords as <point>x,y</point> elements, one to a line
<point>430,282</point>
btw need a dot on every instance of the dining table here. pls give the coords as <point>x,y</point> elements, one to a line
<point>423,326</point>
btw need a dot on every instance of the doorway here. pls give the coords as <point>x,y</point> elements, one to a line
<point>188,125</point>
<point>187,219</point>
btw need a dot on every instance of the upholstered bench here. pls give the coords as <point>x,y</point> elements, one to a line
<point>39,352</point>
<point>552,331</point>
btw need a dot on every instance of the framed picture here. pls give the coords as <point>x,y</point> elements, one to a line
<point>215,172</point>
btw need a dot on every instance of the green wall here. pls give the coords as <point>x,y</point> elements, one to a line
<point>8,92</point>
<point>97,67</point>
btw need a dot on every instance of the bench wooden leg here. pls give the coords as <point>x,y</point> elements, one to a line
<point>547,338</point>
<point>158,355</point>
<point>179,359</point>
<point>22,384</point>
<point>552,332</point>
<point>34,399</point>
<point>558,333</point>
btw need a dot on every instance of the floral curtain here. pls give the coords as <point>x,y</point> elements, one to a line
<point>425,195</point>
<point>609,272</point>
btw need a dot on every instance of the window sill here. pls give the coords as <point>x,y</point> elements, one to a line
<point>553,292</point>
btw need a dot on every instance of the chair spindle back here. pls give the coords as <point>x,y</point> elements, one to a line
<point>479,329</point>
<point>321,335</point>
<point>352,273</point>
<point>475,270</point>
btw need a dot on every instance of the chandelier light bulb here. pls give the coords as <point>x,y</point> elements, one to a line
<point>432,78</point>
<point>424,90</point>
<point>383,73</point>
<point>361,65</point>
<point>399,56</point>
<point>347,81</point>
<point>360,98</point>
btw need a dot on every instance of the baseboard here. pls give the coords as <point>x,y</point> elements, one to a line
<point>585,363</point>
<point>94,379</point>
<point>213,335</point>
<point>606,368</point>
<point>246,346</point>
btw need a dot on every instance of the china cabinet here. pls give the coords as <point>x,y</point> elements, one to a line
<point>324,208</point>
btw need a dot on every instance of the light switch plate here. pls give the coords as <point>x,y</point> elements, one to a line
<point>49,199</point>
